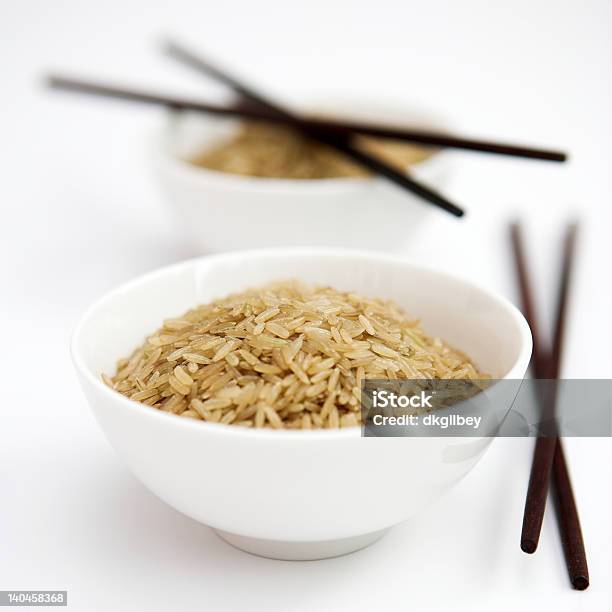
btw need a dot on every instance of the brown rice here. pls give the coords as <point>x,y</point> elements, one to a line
<point>276,151</point>
<point>283,356</point>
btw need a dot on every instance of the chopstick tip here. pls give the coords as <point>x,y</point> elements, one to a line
<point>580,583</point>
<point>528,546</point>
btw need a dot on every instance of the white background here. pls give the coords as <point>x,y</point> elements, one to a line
<point>81,213</point>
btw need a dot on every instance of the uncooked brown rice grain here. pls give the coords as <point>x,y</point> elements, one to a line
<point>286,355</point>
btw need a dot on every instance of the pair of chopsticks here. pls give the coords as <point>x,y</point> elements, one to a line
<point>334,133</point>
<point>549,459</point>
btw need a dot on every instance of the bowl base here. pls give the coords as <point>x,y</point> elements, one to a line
<point>300,551</point>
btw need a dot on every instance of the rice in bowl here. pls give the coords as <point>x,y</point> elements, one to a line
<point>286,355</point>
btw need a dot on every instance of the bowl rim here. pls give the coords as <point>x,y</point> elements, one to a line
<point>181,169</point>
<point>517,371</point>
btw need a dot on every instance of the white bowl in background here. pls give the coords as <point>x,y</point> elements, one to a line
<point>218,211</point>
<point>291,494</point>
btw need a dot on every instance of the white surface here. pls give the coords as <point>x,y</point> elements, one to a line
<point>268,485</point>
<point>81,214</point>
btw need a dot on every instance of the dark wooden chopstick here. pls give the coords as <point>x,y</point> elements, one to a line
<point>67,83</point>
<point>569,522</point>
<point>548,454</point>
<point>569,248</point>
<point>565,502</point>
<point>526,295</point>
<point>544,451</point>
<point>340,142</point>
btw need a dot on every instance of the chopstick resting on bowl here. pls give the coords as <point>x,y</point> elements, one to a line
<point>340,143</point>
<point>549,457</point>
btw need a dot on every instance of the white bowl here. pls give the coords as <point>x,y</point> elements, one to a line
<point>218,211</point>
<point>291,494</point>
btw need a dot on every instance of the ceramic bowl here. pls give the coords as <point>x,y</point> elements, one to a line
<point>216,211</point>
<point>292,494</point>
